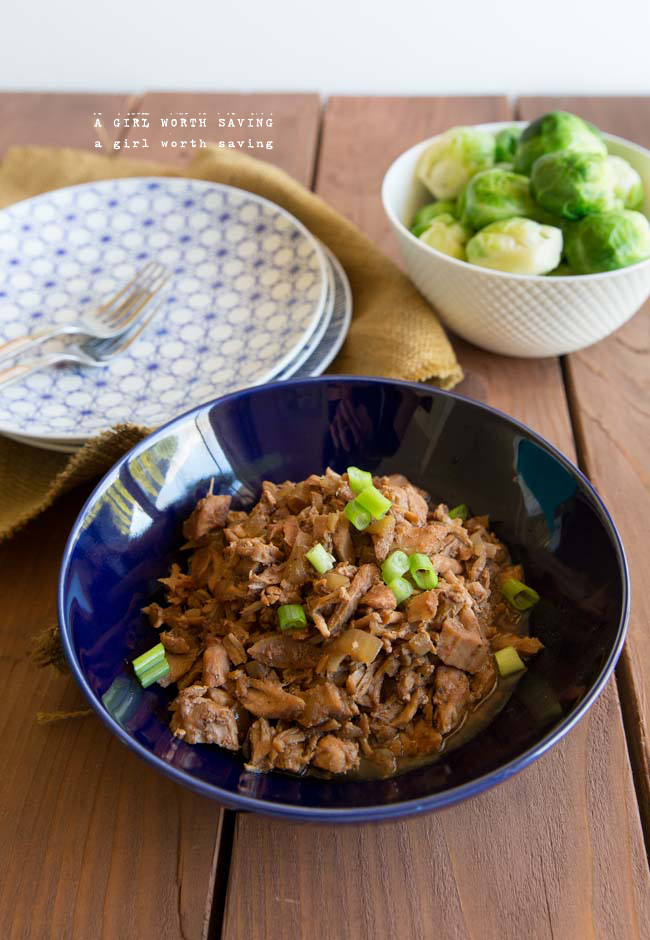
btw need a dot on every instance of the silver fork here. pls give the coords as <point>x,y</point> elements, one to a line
<point>91,352</point>
<point>108,321</point>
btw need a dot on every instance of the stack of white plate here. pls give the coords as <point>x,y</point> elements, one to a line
<point>253,298</point>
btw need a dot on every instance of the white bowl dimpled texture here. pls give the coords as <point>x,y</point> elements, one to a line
<point>515,315</point>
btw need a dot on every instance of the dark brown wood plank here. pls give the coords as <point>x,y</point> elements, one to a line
<point>60,120</point>
<point>296,119</point>
<point>555,852</point>
<point>610,389</point>
<point>100,846</point>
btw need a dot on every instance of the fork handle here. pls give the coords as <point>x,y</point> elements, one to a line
<point>23,369</point>
<point>15,347</point>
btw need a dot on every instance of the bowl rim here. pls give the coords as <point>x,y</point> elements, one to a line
<point>402,229</point>
<point>398,809</point>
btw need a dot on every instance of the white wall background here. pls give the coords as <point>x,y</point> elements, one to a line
<point>375,46</point>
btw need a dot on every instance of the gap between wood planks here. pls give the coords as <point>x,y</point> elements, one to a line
<point>630,697</point>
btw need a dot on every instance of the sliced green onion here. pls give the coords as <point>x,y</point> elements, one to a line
<point>459,512</point>
<point>155,655</point>
<point>358,516</point>
<point>359,479</point>
<point>320,558</point>
<point>519,595</point>
<point>292,617</point>
<point>374,501</point>
<point>154,673</point>
<point>423,572</point>
<point>395,566</point>
<point>401,589</point>
<point>508,661</point>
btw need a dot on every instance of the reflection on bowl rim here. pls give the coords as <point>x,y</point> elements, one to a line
<point>491,126</point>
<point>396,809</point>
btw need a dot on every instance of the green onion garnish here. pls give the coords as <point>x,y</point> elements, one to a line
<point>357,515</point>
<point>359,479</point>
<point>292,617</point>
<point>519,595</point>
<point>151,666</point>
<point>459,512</point>
<point>401,589</point>
<point>394,566</point>
<point>508,661</point>
<point>155,655</point>
<point>320,558</point>
<point>154,673</point>
<point>374,502</point>
<point>423,572</point>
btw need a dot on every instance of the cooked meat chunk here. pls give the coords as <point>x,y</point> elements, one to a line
<point>361,678</point>
<point>380,597</point>
<point>461,644</point>
<point>199,720</point>
<point>335,755</point>
<point>451,697</point>
<point>482,682</point>
<point>281,652</point>
<point>323,701</point>
<point>210,513</point>
<point>422,608</point>
<point>361,583</point>
<point>526,645</point>
<point>216,664</point>
<point>256,550</point>
<point>267,699</point>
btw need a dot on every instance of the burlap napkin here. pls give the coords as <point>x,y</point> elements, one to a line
<point>394,333</point>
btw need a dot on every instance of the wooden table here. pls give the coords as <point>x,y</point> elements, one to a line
<point>95,845</point>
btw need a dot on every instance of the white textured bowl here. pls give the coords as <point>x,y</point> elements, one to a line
<point>515,314</point>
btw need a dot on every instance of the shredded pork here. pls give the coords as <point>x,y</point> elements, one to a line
<point>365,679</point>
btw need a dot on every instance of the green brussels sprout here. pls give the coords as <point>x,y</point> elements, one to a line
<point>448,163</point>
<point>506,165</point>
<point>519,246</point>
<point>424,216</point>
<point>628,188</point>
<point>496,194</point>
<point>562,270</point>
<point>459,205</point>
<point>572,184</point>
<point>506,144</point>
<point>608,241</point>
<point>557,130</point>
<point>448,235</point>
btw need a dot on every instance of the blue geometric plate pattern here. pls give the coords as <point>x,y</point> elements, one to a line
<point>247,291</point>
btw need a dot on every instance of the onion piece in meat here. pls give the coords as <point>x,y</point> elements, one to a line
<point>357,644</point>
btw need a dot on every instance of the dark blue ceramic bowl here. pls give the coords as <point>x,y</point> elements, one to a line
<point>547,512</point>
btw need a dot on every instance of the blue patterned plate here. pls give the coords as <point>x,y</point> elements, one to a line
<point>248,290</point>
<point>323,353</point>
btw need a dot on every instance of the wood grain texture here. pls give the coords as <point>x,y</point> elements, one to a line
<point>59,120</point>
<point>296,120</point>
<point>556,852</point>
<point>610,387</point>
<point>101,847</point>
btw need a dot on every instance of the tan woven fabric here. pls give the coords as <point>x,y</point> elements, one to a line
<point>394,332</point>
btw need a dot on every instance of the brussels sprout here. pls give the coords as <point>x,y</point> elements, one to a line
<point>557,130</point>
<point>424,216</point>
<point>448,235</point>
<point>519,246</point>
<point>628,188</point>
<point>506,144</point>
<point>496,194</point>
<point>608,241</point>
<point>506,165</point>
<point>459,205</point>
<point>562,270</point>
<point>573,184</point>
<point>453,158</point>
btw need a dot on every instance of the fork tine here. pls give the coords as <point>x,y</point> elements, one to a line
<point>124,290</point>
<point>113,347</point>
<point>138,302</point>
